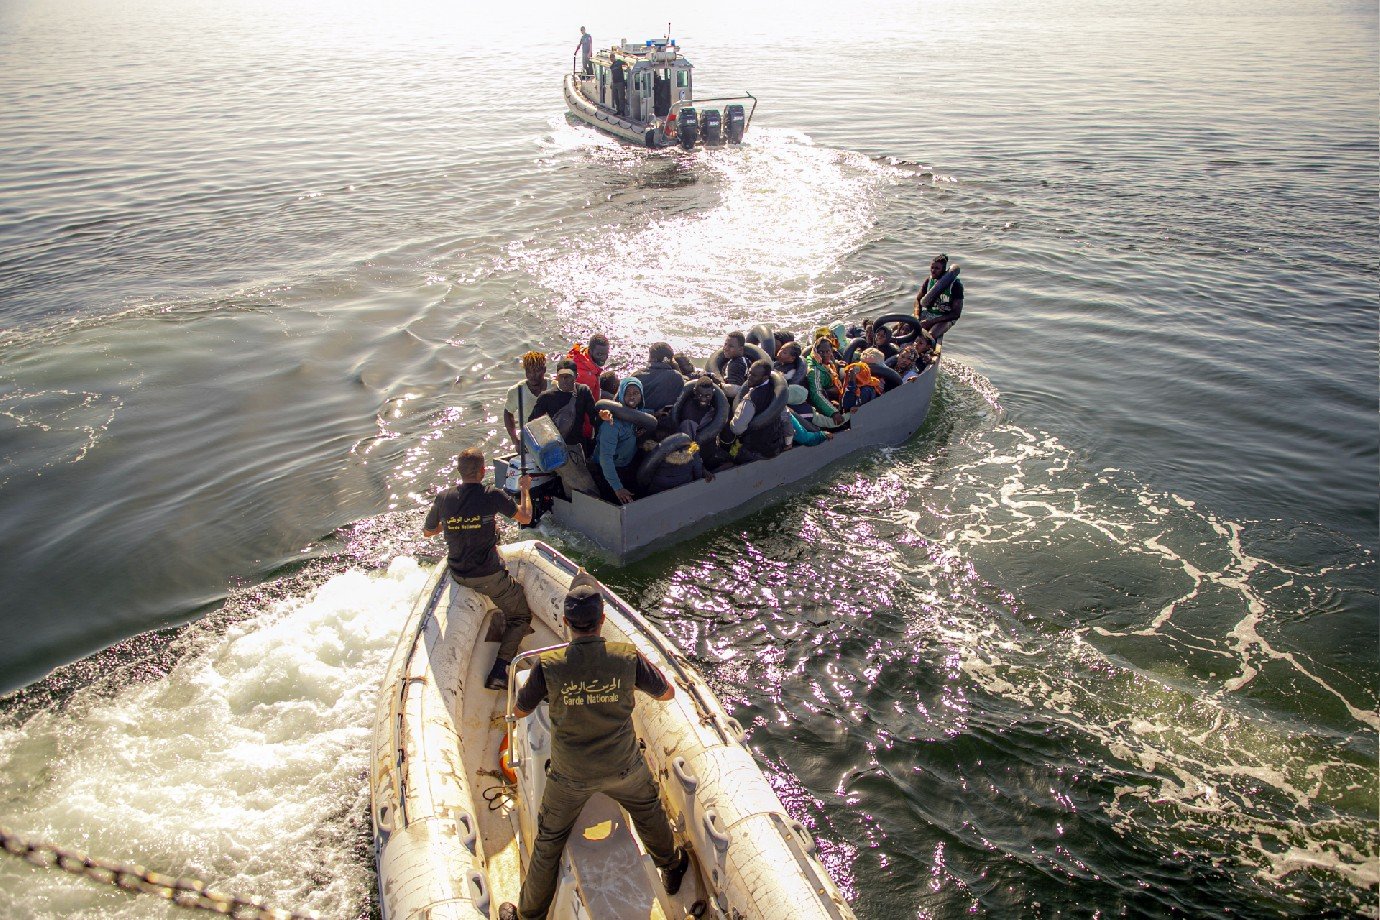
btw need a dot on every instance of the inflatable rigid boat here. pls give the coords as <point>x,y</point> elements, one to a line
<point>644,93</point>
<point>453,827</point>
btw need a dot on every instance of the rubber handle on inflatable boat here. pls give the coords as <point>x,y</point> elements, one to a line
<point>470,836</point>
<point>685,775</point>
<point>479,893</point>
<point>717,835</point>
<point>806,840</point>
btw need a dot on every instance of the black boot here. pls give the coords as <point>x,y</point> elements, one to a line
<point>498,675</point>
<point>672,877</point>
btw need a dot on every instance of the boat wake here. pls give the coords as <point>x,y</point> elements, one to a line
<point>734,236</point>
<point>235,750</point>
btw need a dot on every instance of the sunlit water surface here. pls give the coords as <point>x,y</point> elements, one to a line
<point>1100,641</point>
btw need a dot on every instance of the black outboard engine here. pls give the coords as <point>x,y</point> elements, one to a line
<point>688,127</point>
<point>735,123</point>
<point>711,126</point>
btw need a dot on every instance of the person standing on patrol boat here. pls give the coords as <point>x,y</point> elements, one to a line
<point>589,684</point>
<point>586,49</point>
<point>466,514</point>
<point>944,312</point>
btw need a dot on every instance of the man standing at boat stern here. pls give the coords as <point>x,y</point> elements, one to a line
<point>589,684</point>
<point>466,513</point>
<point>586,49</point>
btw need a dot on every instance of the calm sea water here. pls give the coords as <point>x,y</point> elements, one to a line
<point>1100,641</point>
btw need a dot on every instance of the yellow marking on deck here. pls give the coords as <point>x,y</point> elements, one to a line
<point>599,831</point>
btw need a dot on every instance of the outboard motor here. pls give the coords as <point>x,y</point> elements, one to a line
<point>688,127</point>
<point>711,126</point>
<point>735,123</point>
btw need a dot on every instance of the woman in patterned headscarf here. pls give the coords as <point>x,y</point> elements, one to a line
<point>823,383</point>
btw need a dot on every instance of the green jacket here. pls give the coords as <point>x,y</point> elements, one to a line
<point>817,380</point>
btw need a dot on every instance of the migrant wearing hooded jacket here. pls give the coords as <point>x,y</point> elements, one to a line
<point>616,443</point>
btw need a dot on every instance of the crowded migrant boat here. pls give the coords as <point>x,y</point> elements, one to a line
<point>763,393</point>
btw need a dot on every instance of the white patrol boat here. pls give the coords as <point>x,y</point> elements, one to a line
<point>456,779</point>
<point>644,93</point>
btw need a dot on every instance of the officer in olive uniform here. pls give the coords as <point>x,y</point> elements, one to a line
<point>589,684</point>
<point>940,316</point>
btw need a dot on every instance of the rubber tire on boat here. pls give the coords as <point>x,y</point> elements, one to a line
<point>626,413</point>
<point>762,336</point>
<point>652,462</point>
<point>940,286</point>
<point>715,364</point>
<point>852,348</point>
<point>711,431</point>
<point>774,410</point>
<point>886,375</point>
<point>905,319</point>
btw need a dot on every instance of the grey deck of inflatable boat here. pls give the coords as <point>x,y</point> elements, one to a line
<point>624,533</point>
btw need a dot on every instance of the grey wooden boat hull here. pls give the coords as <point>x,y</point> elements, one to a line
<point>627,532</point>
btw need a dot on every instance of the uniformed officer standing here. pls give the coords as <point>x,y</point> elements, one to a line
<point>466,514</point>
<point>590,684</point>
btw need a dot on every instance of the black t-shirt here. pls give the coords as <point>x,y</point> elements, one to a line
<point>465,514</point>
<point>553,401</point>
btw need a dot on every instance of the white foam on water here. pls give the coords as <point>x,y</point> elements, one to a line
<point>766,240</point>
<point>245,765</point>
<point>1209,769</point>
<point>46,427</point>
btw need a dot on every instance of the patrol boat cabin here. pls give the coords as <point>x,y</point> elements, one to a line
<point>644,93</point>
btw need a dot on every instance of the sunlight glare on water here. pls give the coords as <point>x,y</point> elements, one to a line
<point>758,233</point>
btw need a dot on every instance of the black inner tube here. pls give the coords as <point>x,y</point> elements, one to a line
<point>762,335</point>
<point>898,337</point>
<point>715,364</point>
<point>853,348</point>
<point>774,410</point>
<point>626,413</point>
<point>678,441</point>
<point>887,375</point>
<point>795,373</point>
<point>939,288</point>
<point>709,432</point>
